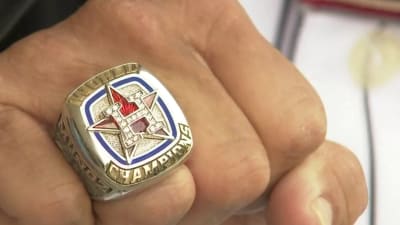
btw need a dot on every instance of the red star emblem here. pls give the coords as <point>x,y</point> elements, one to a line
<point>131,118</point>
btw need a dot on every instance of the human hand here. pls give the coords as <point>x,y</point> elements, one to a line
<point>257,124</point>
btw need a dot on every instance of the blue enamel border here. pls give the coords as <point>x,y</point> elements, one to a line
<point>101,140</point>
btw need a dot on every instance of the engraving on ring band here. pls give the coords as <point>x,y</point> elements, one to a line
<point>69,150</point>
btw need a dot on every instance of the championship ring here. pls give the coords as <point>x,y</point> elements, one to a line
<point>122,130</point>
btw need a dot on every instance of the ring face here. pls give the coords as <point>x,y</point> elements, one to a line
<point>122,129</point>
<point>131,124</point>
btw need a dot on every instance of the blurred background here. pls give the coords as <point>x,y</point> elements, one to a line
<point>350,51</point>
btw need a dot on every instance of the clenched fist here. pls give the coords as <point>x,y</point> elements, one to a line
<point>259,128</point>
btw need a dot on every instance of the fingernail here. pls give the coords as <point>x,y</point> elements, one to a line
<point>323,210</point>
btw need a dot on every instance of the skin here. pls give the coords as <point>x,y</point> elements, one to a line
<point>259,127</point>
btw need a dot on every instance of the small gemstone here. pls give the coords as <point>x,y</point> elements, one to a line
<point>149,100</point>
<point>107,123</point>
<point>162,132</point>
<point>123,123</point>
<point>126,129</point>
<point>109,111</point>
<point>140,125</point>
<point>115,107</point>
<point>129,142</point>
<point>136,138</point>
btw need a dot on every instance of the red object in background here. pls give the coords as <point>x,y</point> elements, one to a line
<point>386,8</point>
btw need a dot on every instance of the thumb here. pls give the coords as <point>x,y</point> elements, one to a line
<point>327,188</point>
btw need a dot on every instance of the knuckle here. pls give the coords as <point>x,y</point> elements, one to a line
<point>223,18</point>
<point>129,11</point>
<point>139,21</point>
<point>305,129</point>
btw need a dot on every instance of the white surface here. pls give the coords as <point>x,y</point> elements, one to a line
<point>323,56</point>
<point>265,15</point>
<point>385,104</point>
<point>385,108</point>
